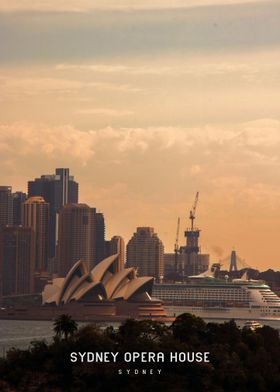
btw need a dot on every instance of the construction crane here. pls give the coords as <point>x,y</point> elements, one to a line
<point>192,212</point>
<point>176,246</point>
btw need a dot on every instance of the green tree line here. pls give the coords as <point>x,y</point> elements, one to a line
<point>240,359</point>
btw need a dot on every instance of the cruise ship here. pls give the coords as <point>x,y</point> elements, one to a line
<point>213,298</point>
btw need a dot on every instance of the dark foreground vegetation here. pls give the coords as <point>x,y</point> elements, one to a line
<point>240,360</point>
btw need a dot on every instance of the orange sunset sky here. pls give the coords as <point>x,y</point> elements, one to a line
<point>148,102</point>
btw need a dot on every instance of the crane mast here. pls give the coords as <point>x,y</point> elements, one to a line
<point>193,210</point>
<point>176,246</point>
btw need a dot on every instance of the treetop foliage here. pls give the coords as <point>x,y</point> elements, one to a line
<point>240,359</point>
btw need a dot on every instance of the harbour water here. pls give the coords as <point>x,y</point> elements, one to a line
<point>19,333</point>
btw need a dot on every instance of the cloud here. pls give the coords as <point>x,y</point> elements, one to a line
<point>27,142</point>
<point>264,133</point>
<point>99,36</point>
<point>31,86</point>
<point>185,68</point>
<point>20,140</point>
<point>104,5</point>
<point>119,68</point>
<point>148,176</point>
<point>105,112</point>
<point>194,170</point>
<point>125,88</point>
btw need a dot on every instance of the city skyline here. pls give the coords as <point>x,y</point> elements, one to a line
<point>147,104</point>
<point>182,240</point>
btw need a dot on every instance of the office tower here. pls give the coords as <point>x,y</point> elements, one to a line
<point>99,237</point>
<point>145,252</point>
<point>80,236</point>
<point>17,260</point>
<point>107,247</point>
<point>18,199</point>
<point>6,206</point>
<point>117,246</point>
<point>57,189</point>
<point>36,215</point>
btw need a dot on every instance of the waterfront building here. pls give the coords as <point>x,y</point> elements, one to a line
<point>6,206</point>
<point>57,189</point>
<point>17,260</point>
<point>145,252</point>
<point>36,215</point>
<point>97,284</point>
<point>81,234</point>
<point>101,291</point>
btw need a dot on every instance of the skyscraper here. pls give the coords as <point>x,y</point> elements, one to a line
<point>6,206</point>
<point>57,189</point>
<point>36,215</point>
<point>80,236</point>
<point>118,246</point>
<point>99,237</point>
<point>145,252</point>
<point>18,199</point>
<point>190,260</point>
<point>17,260</point>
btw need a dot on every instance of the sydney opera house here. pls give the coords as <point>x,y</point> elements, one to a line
<point>103,282</point>
<point>107,292</point>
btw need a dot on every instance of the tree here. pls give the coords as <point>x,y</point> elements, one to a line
<point>239,360</point>
<point>65,326</point>
<point>188,327</point>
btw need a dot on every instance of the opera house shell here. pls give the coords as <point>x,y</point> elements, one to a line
<point>103,291</point>
<point>101,283</point>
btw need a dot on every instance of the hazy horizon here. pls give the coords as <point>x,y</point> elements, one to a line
<point>147,103</point>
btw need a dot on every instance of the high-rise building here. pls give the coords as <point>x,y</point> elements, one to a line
<point>35,214</point>
<point>99,237</point>
<point>17,260</point>
<point>18,199</point>
<point>57,189</point>
<point>145,252</point>
<point>188,264</point>
<point>169,265</point>
<point>107,245</point>
<point>6,206</point>
<point>116,246</point>
<point>80,236</point>
<point>190,260</point>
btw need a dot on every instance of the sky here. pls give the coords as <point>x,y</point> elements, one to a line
<point>148,102</point>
